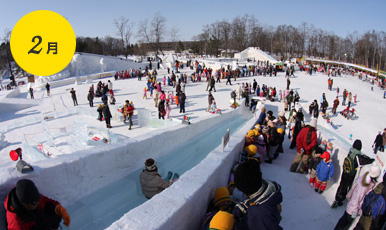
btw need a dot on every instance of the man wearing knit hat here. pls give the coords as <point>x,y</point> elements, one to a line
<point>348,174</point>
<point>262,209</point>
<point>151,181</point>
<point>26,208</point>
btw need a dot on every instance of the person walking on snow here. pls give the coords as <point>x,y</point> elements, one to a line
<point>210,101</point>
<point>336,104</point>
<point>107,114</point>
<point>181,101</point>
<point>349,168</point>
<point>73,96</point>
<point>48,89</point>
<point>363,185</point>
<point>378,142</point>
<point>110,87</point>
<point>90,98</point>
<point>168,109</point>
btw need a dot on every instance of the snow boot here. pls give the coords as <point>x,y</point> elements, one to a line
<point>334,204</point>
<point>294,166</point>
<point>321,191</point>
<point>269,161</point>
<point>316,190</point>
<point>175,176</point>
<point>169,176</point>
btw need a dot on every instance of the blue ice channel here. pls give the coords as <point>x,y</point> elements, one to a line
<point>105,206</point>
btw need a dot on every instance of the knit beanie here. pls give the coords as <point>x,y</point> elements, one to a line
<point>26,191</point>
<point>221,194</point>
<point>222,221</point>
<point>374,170</point>
<point>313,123</point>
<point>357,145</point>
<point>150,165</point>
<point>251,150</point>
<point>248,177</point>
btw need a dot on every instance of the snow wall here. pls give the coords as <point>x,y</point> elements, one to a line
<point>88,65</point>
<point>71,177</point>
<point>176,210</point>
<point>11,103</point>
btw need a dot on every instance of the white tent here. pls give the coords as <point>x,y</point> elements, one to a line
<point>255,54</point>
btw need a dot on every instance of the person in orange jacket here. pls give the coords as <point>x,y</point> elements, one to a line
<point>26,208</point>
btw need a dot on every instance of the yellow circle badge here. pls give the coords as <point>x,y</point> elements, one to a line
<point>43,43</point>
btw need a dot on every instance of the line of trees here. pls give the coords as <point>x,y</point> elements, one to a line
<point>283,41</point>
<point>287,41</point>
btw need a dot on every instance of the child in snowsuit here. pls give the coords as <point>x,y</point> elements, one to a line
<point>144,93</point>
<point>324,172</point>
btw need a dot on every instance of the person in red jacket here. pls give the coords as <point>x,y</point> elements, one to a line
<point>26,208</point>
<point>305,143</point>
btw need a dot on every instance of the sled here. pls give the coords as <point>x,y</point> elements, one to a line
<point>349,114</point>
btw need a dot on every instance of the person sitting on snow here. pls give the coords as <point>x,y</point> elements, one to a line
<point>26,208</point>
<point>151,181</point>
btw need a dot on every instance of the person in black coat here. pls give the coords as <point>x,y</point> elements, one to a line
<point>90,98</point>
<point>107,114</point>
<point>297,128</point>
<point>161,110</point>
<point>378,142</point>
<point>347,178</point>
<point>104,98</point>
<point>181,101</point>
<point>316,109</point>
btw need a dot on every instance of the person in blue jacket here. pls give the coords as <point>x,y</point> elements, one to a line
<point>262,116</point>
<point>324,172</point>
<point>262,209</point>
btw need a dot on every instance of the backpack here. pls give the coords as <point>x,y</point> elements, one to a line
<point>349,164</point>
<point>373,205</point>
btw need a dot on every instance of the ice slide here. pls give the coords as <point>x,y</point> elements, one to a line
<point>101,208</point>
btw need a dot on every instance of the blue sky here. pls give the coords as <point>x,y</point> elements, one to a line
<point>95,18</point>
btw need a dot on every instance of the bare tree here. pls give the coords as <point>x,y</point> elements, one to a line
<point>174,34</point>
<point>124,27</point>
<point>153,32</point>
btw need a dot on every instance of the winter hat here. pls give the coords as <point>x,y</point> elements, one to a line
<point>150,165</point>
<point>221,194</point>
<point>280,130</point>
<point>357,145</point>
<point>325,155</point>
<point>251,150</point>
<point>374,170</point>
<point>26,191</point>
<point>281,114</point>
<point>222,221</point>
<point>313,123</point>
<point>248,177</point>
<point>329,145</point>
<point>260,140</point>
<point>251,133</point>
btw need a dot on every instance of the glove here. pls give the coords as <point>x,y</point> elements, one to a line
<point>302,150</point>
<point>354,215</point>
<point>63,212</point>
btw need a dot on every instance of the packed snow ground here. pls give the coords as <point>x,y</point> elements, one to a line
<point>311,213</point>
